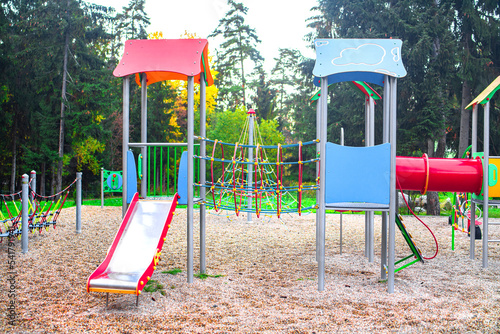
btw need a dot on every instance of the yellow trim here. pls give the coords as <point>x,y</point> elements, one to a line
<point>480,98</point>
<point>112,290</point>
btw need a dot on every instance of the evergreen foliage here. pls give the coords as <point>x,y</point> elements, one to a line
<point>451,51</point>
<point>239,45</point>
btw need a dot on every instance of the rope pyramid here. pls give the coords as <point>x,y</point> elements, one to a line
<point>267,192</point>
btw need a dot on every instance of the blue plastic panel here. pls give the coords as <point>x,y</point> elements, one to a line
<point>182,180</point>
<point>358,174</point>
<point>131,176</point>
<point>381,56</point>
<point>373,78</point>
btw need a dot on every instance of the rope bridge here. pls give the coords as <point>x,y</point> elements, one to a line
<point>43,211</point>
<point>267,192</point>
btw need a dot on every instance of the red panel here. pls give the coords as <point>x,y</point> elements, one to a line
<point>118,236</point>
<point>165,59</point>
<point>453,175</point>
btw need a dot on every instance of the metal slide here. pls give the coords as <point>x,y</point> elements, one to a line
<point>136,249</point>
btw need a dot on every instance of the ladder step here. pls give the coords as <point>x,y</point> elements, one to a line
<point>493,240</point>
<point>493,223</point>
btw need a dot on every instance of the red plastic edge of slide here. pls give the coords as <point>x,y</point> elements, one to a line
<point>151,268</point>
<point>118,236</point>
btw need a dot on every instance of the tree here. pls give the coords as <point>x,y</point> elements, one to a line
<point>133,21</point>
<point>426,96</point>
<point>264,100</point>
<point>239,45</point>
<point>477,27</point>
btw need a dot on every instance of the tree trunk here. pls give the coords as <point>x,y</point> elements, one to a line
<point>463,142</point>
<point>53,181</point>
<point>433,207</point>
<point>42,179</point>
<point>63,108</point>
<point>13,173</point>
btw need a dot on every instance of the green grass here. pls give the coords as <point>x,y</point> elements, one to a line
<point>307,201</point>
<point>205,276</point>
<point>153,286</point>
<point>174,271</point>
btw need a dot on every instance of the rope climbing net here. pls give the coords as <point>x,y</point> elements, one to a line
<point>255,184</point>
<point>43,211</point>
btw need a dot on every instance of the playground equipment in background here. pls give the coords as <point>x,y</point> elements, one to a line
<point>461,214</point>
<point>111,182</point>
<point>379,62</point>
<point>232,191</point>
<point>490,173</point>
<point>159,173</point>
<point>251,182</point>
<point>32,212</point>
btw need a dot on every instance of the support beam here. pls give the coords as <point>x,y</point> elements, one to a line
<point>24,214</point>
<point>190,174</point>
<point>392,204</point>
<point>472,245</point>
<point>250,166</point>
<point>125,140</point>
<point>79,202</point>
<point>371,214</point>
<point>322,213</point>
<point>144,135</point>
<point>203,152</point>
<point>385,139</point>
<point>486,164</point>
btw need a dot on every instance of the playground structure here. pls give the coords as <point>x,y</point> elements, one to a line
<point>136,249</point>
<point>36,212</point>
<point>490,168</point>
<point>162,162</point>
<point>373,173</point>
<point>252,180</point>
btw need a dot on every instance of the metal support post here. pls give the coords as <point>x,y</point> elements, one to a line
<point>392,204</point>
<point>486,164</point>
<point>125,140</point>
<point>203,152</point>
<point>472,245</point>
<point>190,173</point>
<point>322,206</point>
<point>371,214</point>
<point>144,135</point>
<point>24,213</point>
<point>79,202</point>
<point>250,166</point>
<point>102,187</point>
<point>385,139</point>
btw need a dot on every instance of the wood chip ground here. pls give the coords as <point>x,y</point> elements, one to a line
<point>268,281</point>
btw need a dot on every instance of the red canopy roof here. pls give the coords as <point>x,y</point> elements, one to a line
<point>165,59</point>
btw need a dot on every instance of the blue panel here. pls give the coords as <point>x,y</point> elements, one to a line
<point>131,176</point>
<point>182,180</point>
<point>374,78</point>
<point>358,174</point>
<point>381,56</point>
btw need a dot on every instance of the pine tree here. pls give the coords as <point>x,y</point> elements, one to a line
<point>240,41</point>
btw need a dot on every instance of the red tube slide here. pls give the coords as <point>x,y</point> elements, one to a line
<point>439,174</point>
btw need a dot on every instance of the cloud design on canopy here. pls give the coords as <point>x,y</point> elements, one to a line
<point>365,54</point>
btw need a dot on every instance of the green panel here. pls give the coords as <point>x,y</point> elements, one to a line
<point>113,181</point>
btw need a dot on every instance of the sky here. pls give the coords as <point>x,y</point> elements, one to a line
<point>278,23</point>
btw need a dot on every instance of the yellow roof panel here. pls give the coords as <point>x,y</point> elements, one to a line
<point>486,94</point>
